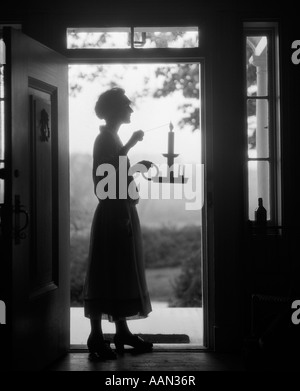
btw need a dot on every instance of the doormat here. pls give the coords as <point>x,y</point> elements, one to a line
<point>154,338</point>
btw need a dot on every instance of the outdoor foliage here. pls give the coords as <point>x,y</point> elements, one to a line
<point>188,285</point>
<point>170,246</point>
<point>184,78</point>
<point>251,82</point>
<point>180,79</point>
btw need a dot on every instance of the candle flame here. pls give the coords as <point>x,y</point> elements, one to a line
<point>171,127</point>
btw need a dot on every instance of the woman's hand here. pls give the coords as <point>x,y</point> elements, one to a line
<point>146,163</point>
<point>136,137</point>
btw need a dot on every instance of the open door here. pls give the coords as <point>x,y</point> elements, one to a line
<point>35,214</point>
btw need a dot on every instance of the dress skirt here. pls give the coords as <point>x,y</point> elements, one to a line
<point>115,285</point>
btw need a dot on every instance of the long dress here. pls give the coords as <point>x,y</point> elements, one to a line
<point>115,284</point>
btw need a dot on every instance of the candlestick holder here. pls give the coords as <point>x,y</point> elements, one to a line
<point>170,177</point>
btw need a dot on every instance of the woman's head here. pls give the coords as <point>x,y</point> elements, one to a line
<point>114,105</point>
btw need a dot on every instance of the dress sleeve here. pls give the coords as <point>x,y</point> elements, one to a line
<point>106,151</point>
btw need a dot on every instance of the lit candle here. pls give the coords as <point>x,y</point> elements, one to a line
<point>171,140</point>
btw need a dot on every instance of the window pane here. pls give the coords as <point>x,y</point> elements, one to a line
<point>258,128</point>
<point>257,66</point>
<point>165,37</point>
<point>93,38</point>
<point>1,82</point>
<point>1,133</point>
<point>1,188</point>
<point>2,50</point>
<point>1,130</point>
<point>258,186</point>
<point>1,113</point>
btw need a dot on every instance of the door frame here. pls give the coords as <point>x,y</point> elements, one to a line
<point>184,55</point>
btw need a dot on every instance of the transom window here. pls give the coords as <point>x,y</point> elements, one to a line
<point>132,38</point>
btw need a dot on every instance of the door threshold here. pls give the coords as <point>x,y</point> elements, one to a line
<point>160,347</point>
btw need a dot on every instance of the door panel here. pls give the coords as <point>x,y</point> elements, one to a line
<point>37,159</point>
<point>43,144</point>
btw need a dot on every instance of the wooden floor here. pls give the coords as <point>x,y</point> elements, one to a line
<point>161,360</point>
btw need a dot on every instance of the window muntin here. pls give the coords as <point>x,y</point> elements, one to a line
<point>262,126</point>
<point>2,145</point>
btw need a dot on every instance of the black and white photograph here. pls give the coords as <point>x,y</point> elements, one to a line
<point>149,189</point>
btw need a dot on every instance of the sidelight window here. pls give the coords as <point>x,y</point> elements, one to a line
<point>262,120</point>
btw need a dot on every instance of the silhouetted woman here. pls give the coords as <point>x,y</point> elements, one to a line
<point>115,286</point>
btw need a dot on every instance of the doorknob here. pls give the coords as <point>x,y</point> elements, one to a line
<point>18,230</point>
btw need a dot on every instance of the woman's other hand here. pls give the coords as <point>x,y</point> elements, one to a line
<point>146,163</point>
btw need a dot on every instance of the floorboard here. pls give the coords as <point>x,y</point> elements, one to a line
<point>155,361</point>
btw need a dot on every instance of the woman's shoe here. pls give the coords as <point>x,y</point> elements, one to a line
<point>139,345</point>
<point>100,349</point>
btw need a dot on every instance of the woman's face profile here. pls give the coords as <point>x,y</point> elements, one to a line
<point>124,113</point>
